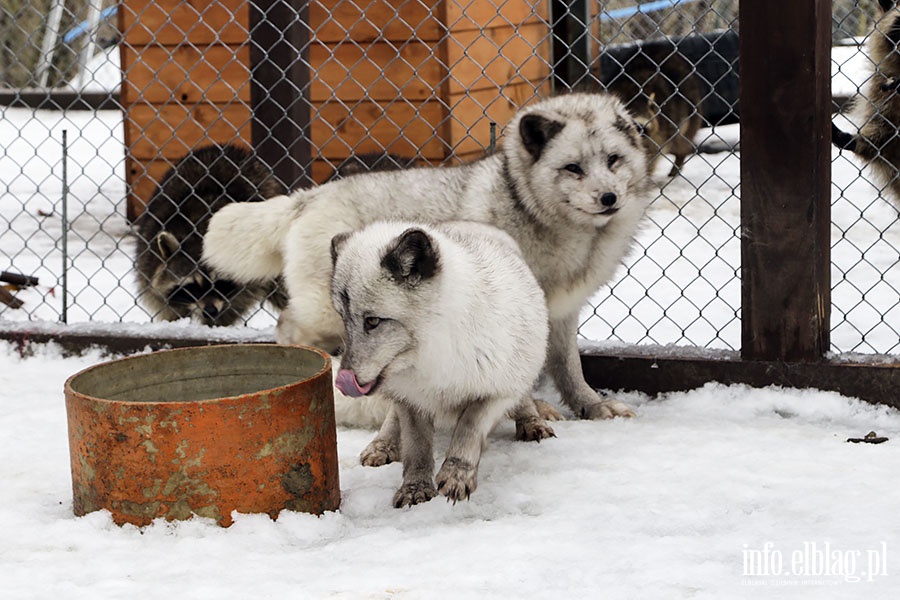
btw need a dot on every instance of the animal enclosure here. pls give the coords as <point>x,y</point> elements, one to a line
<point>766,255</point>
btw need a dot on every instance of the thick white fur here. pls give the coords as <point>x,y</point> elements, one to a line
<point>465,344</point>
<point>529,189</point>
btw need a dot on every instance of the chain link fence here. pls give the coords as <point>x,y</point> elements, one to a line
<point>427,81</point>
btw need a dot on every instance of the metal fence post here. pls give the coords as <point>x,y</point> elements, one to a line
<point>64,312</point>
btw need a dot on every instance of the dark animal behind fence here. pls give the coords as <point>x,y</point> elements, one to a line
<point>660,88</point>
<point>876,111</point>
<point>713,57</point>
<point>172,282</point>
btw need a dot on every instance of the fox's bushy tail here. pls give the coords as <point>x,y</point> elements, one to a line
<point>245,240</point>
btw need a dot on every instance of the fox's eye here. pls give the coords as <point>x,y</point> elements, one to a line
<point>371,323</point>
<point>574,168</point>
<point>612,159</point>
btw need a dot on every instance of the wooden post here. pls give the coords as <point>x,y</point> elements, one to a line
<point>571,43</point>
<point>785,179</point>
<point>279,72</point>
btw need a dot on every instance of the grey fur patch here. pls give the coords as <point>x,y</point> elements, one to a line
<point>630,129</point>
<point>336,243</point>
<point>518,203</point>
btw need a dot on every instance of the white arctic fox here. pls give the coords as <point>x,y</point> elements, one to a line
<point>569,185</point>
<point>448,322</point>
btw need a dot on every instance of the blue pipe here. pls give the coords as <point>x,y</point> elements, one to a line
<point>80,29</point>
<point>624,13</point>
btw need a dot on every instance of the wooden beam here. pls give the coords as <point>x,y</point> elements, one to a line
<point>571,46</point>
<point>60,99</point>
<point>657,371</point>
<point>785,179</point>
<point>74,343</point>
<point>279,73</point>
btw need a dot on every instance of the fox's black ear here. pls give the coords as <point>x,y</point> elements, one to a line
<point>337,242</point>
<point>886,5</point>
<point>412,258</point>
<point>536,131</point>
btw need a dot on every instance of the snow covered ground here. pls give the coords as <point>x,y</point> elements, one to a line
<point>722,492</point>
<point>700,496</point>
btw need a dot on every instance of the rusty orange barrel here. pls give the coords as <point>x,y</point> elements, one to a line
<point>206,431</point>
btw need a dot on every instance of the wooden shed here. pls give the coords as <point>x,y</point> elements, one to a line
<point>413,77</point>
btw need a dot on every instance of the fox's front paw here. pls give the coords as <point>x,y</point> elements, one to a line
<point>414,492</point>
<point>378,453</point>
<point>457,479</point>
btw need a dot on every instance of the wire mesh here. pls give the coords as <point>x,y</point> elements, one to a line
<point>402,81</point>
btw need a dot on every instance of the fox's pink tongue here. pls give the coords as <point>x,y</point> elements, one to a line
<point>346,382</point>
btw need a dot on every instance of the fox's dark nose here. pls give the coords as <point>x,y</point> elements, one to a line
<point>608,199</point>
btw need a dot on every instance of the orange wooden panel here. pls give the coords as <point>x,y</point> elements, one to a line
<point>425,129</point>
<point>470,127</point>
<point>340,130</point>
<point>383,71</point>
<point>373,20</point>
<point>377,70</point>
<point>186,74</point>
<point>171,130</point>
<point>172,21</point>
<point>142,177</point>
<point>322,169</point>
<point>497,57</point>
<point>467,15</point>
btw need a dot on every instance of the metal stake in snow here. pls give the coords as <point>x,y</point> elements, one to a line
<point>65,230</point>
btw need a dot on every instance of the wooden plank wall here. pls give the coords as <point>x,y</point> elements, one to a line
<point>389,73</point>
<point>411,77</point>
<point>185,81</point>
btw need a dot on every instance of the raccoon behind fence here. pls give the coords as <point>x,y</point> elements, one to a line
<point>877,110</point>
<point>172,282</point>
<point>659,87</point>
